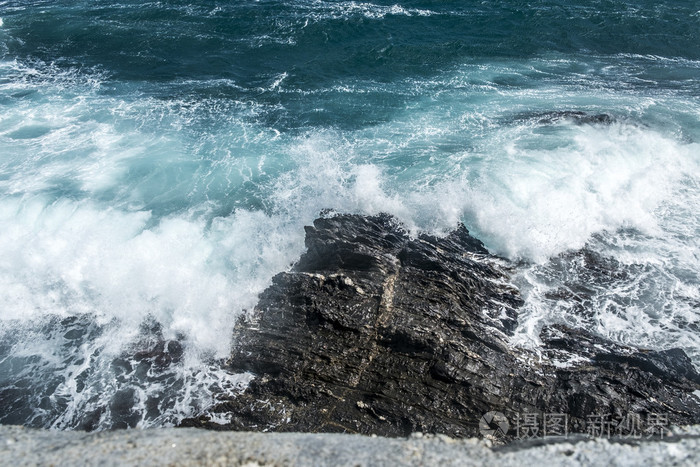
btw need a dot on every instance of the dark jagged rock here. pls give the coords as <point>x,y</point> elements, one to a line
<point>575,116</point>
<point>375,332</point>
<point>578,117</point>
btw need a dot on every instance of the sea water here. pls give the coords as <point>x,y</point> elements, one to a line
<point>158,161</point>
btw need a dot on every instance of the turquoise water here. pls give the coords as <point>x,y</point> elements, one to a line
<point>158,162</point>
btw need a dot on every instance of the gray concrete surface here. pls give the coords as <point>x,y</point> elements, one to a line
<point>21,446</point>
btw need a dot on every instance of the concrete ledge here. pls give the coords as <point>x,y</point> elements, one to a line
<point>171,446</point>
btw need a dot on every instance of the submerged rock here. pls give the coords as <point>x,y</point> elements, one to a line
<point>374,332</point>
<point>577,117</point>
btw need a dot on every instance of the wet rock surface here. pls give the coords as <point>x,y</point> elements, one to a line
<point>375,332</point>
<point>577,117</point>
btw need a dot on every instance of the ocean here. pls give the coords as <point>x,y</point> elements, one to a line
<point>158,161</point>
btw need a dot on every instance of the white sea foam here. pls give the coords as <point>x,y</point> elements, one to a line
<point>650,298</point>
<point>71,258</point>
<point>527,202</point>
<point>553,200</point>
<point>368,10</point>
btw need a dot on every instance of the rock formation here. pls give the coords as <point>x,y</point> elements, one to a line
<point>374,332</point>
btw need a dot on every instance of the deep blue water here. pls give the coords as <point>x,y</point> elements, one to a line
<point>158,162</point>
